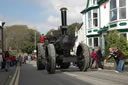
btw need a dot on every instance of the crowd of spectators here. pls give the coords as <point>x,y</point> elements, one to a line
<point>8,61</point>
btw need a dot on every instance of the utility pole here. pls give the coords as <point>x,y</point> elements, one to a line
<point>2,36</point>
<point>35,42</point>
<point>6,44</point>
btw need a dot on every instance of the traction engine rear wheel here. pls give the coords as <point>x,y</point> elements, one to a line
<point>83,57</point>
<point>40,57</point>
<point>51,59</point>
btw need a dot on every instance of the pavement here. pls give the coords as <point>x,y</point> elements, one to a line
<point>6,76</point>
<point>111,66</point>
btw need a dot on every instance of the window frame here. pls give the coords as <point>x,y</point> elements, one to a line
<point>90,20</point>
<point>94,41</point>
<point>118,11</point>
<point>122,8</point>
<point>110,10</point>
<point>89,42</point>
<point>95,18</point>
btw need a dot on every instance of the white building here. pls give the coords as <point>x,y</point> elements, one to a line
<point>101,16</point>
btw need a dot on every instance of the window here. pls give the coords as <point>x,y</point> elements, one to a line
<point>90,42</point>
<point>95,42</point>
<point>95,20</point>
<point>113,10</point>
<point>89,19</point>
<point>122,9</point>
<point>120,12</point>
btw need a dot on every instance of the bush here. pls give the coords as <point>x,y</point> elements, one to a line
<point>126,61</point>
<point>115,40</point>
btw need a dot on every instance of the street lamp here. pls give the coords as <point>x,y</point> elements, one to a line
<point>2,24</point>
<point>35,45</point>
<point>2,37</point>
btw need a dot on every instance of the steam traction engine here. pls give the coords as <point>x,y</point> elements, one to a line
<point>57,51</point>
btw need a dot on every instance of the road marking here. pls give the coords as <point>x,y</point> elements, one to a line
<point>11,83</point>
<point>15,79</point>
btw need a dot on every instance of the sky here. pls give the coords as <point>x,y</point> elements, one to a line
<point>41,15</point>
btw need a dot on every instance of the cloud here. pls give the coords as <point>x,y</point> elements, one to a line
<point>74,8</point>
<point>41,27</point>
<point>52,13</point>
<point>52,19</point>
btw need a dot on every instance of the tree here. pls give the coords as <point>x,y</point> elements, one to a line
<point>71,30</point>
<point>116,40</point>
<point>48,33</point>
<point>20,38</point>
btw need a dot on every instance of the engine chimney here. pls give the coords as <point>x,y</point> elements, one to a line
<point>64,20</point>
<point>64,16</point>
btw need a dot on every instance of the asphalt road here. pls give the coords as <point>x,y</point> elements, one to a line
<point>30,76</point>
<point>5,77</point>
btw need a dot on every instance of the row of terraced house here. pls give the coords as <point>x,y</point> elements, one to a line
<point>100,17</point>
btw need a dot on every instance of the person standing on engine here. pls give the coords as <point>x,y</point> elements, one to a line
<point>42,38</point>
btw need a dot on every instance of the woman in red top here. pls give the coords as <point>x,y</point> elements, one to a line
<point>93,57</point>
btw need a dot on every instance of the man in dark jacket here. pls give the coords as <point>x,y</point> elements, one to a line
<point>119,58</point>
<point>99,59</point>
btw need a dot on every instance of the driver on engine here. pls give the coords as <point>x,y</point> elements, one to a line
<point>42,38</point>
